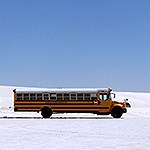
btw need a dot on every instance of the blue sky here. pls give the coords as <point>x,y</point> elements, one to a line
<point>75,43</point>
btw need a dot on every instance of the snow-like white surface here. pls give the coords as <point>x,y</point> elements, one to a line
<point>76,131</point>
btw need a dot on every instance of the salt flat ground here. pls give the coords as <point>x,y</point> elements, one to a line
<point>77,131</point>
<point>130,133</point>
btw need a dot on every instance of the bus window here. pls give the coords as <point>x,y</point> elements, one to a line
<point>80,96</point>
<point>66,96</point>
<point>26,96</point>
<point>19,96</point>
<point>39,96</point>
<point>53,96</point>
<point>93,96</point>
<point>87,96</point>
<point>110,96</point>
<point>73,96</point>
<point>103,97</point>
<point>32,97</point>
<point>46,96</point>
<point>59,96</point>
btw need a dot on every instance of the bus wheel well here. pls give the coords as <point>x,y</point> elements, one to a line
<point>46,112</point>
<point>116,112</point>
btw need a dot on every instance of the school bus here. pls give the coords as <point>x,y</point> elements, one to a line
<point>73,100</point>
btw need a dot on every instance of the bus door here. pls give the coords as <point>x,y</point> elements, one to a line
<point>105,102</point>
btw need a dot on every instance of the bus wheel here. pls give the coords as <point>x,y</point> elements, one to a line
<point>46,112</point>
<point>116,113</point>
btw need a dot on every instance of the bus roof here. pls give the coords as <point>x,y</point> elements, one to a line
<point>62,90</point>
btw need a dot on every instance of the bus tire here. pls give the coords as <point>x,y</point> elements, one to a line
<point>116,112</point>
<point>46,112</point>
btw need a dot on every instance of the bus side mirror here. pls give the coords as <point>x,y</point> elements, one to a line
<point>114,95</point>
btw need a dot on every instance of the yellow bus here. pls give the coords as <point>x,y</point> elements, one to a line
<point>73,100</point>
